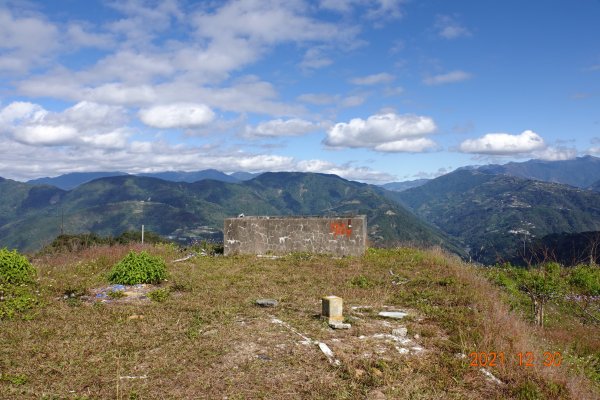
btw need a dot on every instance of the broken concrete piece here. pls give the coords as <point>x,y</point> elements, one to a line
<point>339,325</point>
<point>328,353</point>
<point>267,302</point>
<point>401,332</point>
<point>332,308</point>
<point>393,314</point>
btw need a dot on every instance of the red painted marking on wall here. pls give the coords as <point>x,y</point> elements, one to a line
<point>339,228</point>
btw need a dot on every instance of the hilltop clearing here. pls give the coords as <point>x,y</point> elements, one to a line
<point>203,336</point>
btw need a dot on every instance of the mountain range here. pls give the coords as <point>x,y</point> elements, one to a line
<point>489,213</point>
<point>497,216</point>
<point>72,180</point>
<point>32,215</point>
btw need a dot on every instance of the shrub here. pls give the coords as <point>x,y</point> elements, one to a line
<point>138,268</point>
<point>586,280</point>
<point>15,268</point>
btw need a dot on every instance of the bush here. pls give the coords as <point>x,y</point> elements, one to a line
<point>586,280</point>
<point>15,268</point>
<point>138,268</point>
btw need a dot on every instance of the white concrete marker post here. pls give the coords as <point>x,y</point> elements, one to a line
<point>332,308</point>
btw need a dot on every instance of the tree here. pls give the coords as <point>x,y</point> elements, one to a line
<point>541,285</point>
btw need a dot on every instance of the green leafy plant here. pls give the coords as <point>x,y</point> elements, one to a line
<point>116,294</point>
<point>159,295</point>
<point>586,280</point>
<point>137,268</point>
<point>541,284</point>
<point>362,282</point>
<point>15,268</point>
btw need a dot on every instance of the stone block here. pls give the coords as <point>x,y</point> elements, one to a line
<point>332,309</point>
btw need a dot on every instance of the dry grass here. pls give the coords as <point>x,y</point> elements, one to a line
<point>209,340</point>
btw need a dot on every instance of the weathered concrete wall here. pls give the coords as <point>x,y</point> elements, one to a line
<point>342,236</point>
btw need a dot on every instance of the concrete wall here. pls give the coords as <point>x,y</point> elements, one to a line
<point>342,236</point>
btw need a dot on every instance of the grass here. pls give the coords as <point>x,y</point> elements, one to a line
<point>209,340</point>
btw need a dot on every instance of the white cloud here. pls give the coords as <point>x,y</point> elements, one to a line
<point>279,127</point>
<point>450,77</point>
<point>418,145</point>
<point>45,135</point>
<point>178,115</point>
<point>363,174</point>
<point>555,154</point>
<point>25,40</point>
<point>504,144</point>
<point>315,58</point>
<point>85,123</point>
<point>320,99</point>
<point>373,79</point>
<point>352,101</point>
<point>80,36</point>
<point>448,27</point>
<point>19,111</point>
<point>383,132</point>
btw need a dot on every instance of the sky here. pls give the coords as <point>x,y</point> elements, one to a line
<point>371,90</point>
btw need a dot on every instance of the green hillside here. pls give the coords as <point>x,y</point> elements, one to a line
<point>186,211</point>
<point>498,216</point>
<point>579,172</point>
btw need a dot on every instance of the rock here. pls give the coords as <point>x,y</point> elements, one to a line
<point>339,325</point>
<point>267,302</point>
<point>376,395</point>
<point>393,314</point>
<point>400,332</point>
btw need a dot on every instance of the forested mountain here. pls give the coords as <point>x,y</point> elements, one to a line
<point>499,215</point>
<point>184,211</point>
<point>580,172</point>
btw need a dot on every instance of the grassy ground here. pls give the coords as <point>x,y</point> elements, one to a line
<point>209,340</point>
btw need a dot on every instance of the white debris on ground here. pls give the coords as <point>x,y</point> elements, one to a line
<point>490,377</point>
<point>398,337</point>
<point>393,314</point>
<point>306,340</point>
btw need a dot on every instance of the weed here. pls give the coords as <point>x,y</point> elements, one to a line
<point>15,269</point>
<point>17,380</point>
<point>362,281</point>
<point>116,294</point>
<point>181,287</point>
<point>528,391</point>
<point>138,268</point>
<point>159,295</point>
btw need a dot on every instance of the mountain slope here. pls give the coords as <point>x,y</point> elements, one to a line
<point>401,186</point>
<point>193,176</point>
<point>580,172</point>
<point>185,210</point>
<point>72,180</point>
<point>498,215</point>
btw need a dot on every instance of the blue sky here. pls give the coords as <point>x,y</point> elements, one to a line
<point>371,90</point>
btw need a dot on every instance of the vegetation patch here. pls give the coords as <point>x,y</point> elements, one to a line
<point>159,295</point>
<point>138,268</point>
<point>17,295</point>
<point>15,269</point>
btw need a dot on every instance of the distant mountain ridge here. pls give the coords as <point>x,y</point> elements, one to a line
<point>404,185</point>
<point>580,172</point>
<point>72,180</point>
<point>497,215</point>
